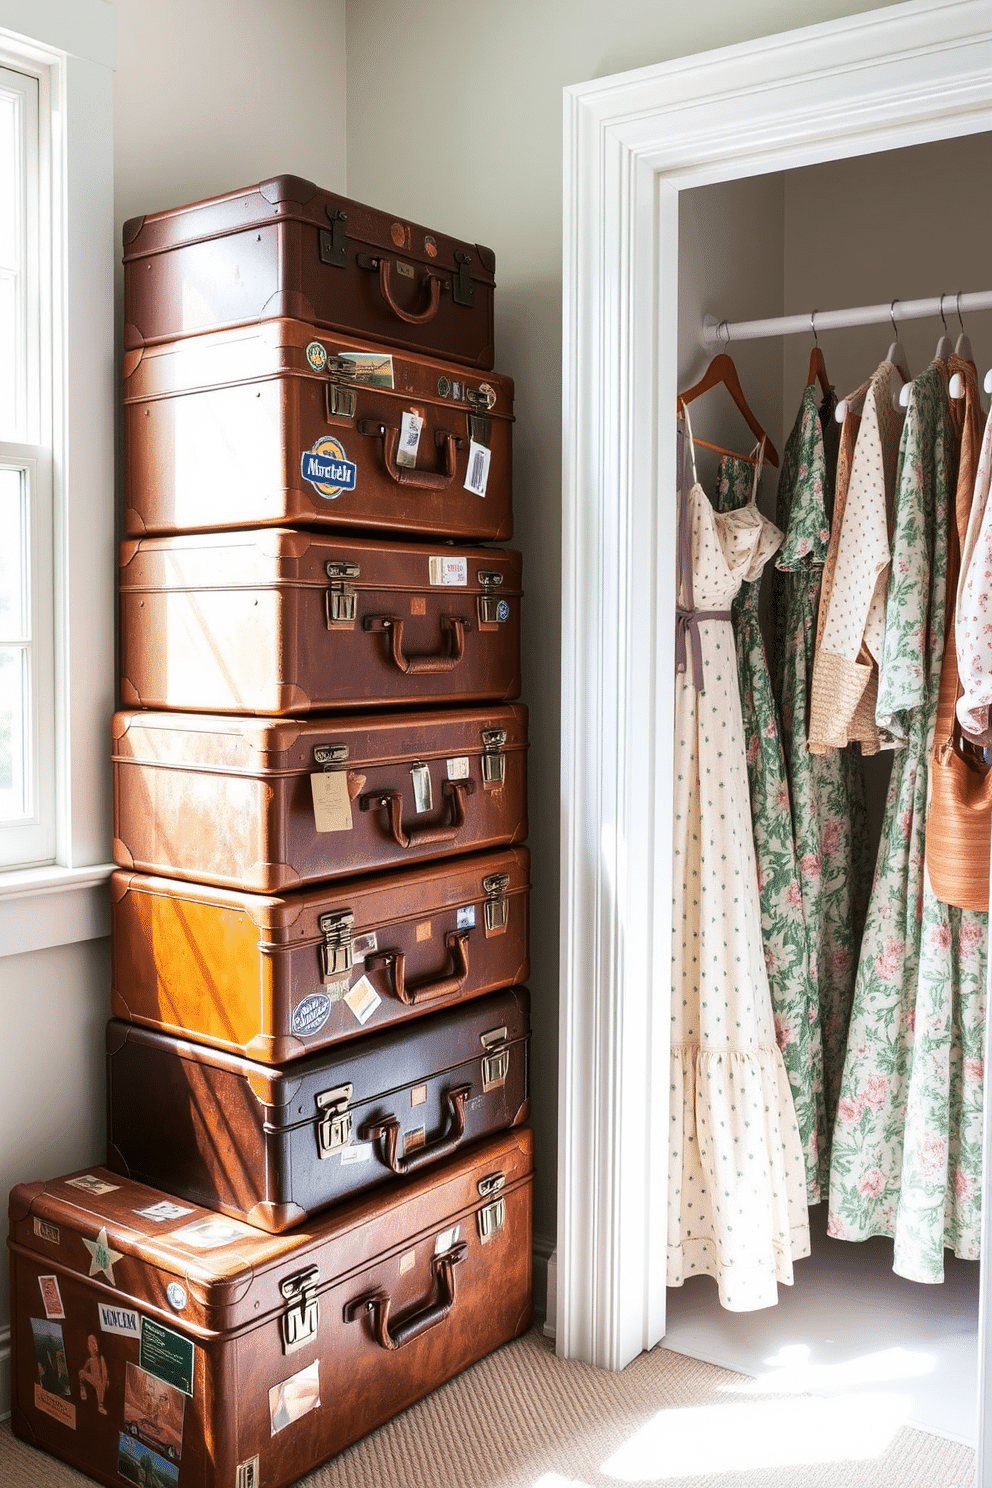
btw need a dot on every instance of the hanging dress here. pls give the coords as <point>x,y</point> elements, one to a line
<point>974,604</point>
<point>795,1002</point>
<point>737,1189</point>
<point>826,791</point>
<point>907,1143</point>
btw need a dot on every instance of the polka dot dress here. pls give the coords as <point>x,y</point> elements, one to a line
<point>737,1182</point>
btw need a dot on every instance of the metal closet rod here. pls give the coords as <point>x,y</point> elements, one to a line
<point>720,332</point>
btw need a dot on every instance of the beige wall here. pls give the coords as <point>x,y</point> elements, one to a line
<point>455,120</point>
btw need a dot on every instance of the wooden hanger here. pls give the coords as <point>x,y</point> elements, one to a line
<point>722,370</point>
<point>818,372</point>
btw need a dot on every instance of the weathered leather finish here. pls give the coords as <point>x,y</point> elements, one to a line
<point>250,622</point>
<point>286,248</point>
<point>229,800</point>
<point>273,1145</point>
<point>255,975</point>
<point>392,1252</point>
<point>219,430</point>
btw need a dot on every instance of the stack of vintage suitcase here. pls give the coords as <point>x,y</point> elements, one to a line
<point>316,1205</point>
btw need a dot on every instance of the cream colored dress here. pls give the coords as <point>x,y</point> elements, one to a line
<point>737,1183</point>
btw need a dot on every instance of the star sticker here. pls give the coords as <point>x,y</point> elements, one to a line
<point>103,1257</point>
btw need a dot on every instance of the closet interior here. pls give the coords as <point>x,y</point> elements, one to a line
<point>897,225</point>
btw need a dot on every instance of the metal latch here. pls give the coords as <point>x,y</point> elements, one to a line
<point>301,1319</point>
<point>480,428</point>
<point>335,953</point>
<point>496,1060</point>
<point>334,1127</point>
<point>490,1219</point>
<point>334,244</point>
<point>494,886</point>
<point>342,601</point>
<point>488,603</point>
<point>330,754</point>
<point>462,288</point>
<point>341,401</point>
<point>493,761</point>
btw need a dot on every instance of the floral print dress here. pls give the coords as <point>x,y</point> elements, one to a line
<point>906,1157</point>
<point>783,925</point>
<point>827,791</point>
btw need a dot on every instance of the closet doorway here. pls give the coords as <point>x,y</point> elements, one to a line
<point>892,79</point>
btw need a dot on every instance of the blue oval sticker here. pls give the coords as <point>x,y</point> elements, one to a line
<point>310,1015</point>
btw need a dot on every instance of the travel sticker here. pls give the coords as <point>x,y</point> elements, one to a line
<point>310,1015</point>
<point>465,917</point>
<point>212,1233</point>
<point>45,1230</point>
<point>120,1320</point>
<point>102,1257</point>
<point>153,1412</point>
<point>294,1397</point>
<point>51,1296</point>
<point>317,356</point>
<point>49,1350</point>
<point>91,1184</point>
<point>138,1465</point>
<point>328,468</point>
<point>166,1355</point>
<point>371,367</point>
<point>163,1210</point>
<point>93,1377</point>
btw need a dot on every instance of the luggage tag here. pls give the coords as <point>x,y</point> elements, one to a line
<point>329,788</point>
<point>411,427</point>
<point>477,471</point>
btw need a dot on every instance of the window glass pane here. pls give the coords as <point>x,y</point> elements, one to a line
<point>13,553</point>
<point>10,194</point>
<point>13,712</point>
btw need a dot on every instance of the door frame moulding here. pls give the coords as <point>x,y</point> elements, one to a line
<point>889,78</point>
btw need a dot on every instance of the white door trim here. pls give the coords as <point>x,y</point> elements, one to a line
<point>893,77</point>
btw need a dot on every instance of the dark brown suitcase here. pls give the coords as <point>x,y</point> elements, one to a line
<point>274,1144</point>
<point>287,248</point>
<point>281,424</point>
<point>276,621</point>
<point>273,978</point>
<point>271,805</point>
<point>153,1342</point>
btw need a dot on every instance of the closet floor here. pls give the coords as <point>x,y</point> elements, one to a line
<point>850,1326</point>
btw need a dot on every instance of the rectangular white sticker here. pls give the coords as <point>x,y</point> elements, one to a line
<point>91,1184</point>
<point>331,801</point>
<point>163,1210</point>
<point>120,1320</point>
<point>295,1397</point>
<point>423,796</point>
<point>407,1261</point>
<point>371,367</point>
<point>465,917</point>
<point>458,768</point>
<point>45,1230</point>
<point>247,1474</point>
<point>449,570</point>
<point>411,425</point>
<point>212,1233</point>
<point>358,1154</point>
<point>477,473</point>
<point>364,945</point>
<point>446,1239</point>
<point>363,999</point>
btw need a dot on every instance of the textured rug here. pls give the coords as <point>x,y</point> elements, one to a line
<point>524,1419</point>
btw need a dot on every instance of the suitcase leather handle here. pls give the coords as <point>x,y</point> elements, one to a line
<point>447,830</point>
<point>415,994</point>
<point>434,296</point>
<point>427,480</point>
<point>378,1303</point>
<point>453,629</point>
<point>387,1133</point>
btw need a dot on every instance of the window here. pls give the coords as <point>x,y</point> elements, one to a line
<point>57,400</point>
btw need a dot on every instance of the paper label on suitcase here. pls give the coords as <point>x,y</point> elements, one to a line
<point>363,999</point>
<point>327,468</point>
<point>211,1233</point>
<point>477,472</point>
<point>331,801</point>
<point>448,570</point>
<point>294,1397</point>
<point>154,1412</point>
<point>167,1355</point>
<point>411,427</point>
<point>371,367</point>
<point>423,794</point>
<point>459,768</point>
<point>51,1296</point>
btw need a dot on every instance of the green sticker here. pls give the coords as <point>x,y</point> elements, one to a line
<point>167,1355</point>
<point>443,386</point>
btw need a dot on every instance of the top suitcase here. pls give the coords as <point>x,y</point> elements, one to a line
<point>287,248</point>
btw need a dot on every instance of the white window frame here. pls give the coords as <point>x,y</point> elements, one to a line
<point>69,46</point>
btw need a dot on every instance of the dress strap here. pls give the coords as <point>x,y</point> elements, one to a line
<point>692,447</point>
<point>759,460</point>
<point>687,618</point>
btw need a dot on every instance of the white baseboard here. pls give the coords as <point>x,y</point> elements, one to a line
<point>4,1373</point>
<point>544,1251</point>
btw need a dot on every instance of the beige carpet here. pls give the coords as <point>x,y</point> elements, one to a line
<point>524,1419</point>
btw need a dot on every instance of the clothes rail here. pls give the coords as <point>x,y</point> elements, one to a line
<point>720,332</point>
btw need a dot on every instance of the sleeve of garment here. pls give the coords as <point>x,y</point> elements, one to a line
<point>855,619</point>
<point>973,609</point>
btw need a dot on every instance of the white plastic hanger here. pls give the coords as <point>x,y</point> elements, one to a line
<point>944,350</point>
<point>896,354</point>
<point>963,349</point>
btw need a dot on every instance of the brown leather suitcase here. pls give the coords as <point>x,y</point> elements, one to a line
<point>154,1342</point>
<point>287,248</point>
<point>268,805</point>
<point>277,621</point>
<point>274,1144</point>
<point>283,424</point>
<point>273,978</point>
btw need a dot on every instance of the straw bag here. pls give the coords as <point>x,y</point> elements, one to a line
<point>959,824</point>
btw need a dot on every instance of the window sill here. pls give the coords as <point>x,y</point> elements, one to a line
<point>43,907</point>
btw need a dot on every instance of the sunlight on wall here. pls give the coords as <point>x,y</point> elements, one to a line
<point>763,1434</point>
